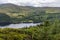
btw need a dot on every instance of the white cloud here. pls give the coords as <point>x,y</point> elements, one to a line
<point>33,2</point>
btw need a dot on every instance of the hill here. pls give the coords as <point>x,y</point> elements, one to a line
<point>25,14</point>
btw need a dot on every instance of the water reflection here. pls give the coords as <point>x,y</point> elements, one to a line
<point>20,25</point>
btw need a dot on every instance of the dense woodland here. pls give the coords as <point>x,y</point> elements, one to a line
<point>10,13</point>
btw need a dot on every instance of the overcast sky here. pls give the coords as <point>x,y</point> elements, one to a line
<point>51,3</point>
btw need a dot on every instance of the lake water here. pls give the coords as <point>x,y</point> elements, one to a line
<point>21,25</point>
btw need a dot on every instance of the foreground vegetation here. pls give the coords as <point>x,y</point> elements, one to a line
<point>46,31</point>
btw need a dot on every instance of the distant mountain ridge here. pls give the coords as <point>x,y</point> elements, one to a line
<point>17,6</point>
<point>8,7</point>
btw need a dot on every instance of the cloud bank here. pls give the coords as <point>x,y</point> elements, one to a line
<point>36,3</point>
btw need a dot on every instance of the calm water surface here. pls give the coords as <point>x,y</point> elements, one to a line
<point>21,25</point>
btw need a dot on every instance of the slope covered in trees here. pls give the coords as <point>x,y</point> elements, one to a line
<point>20,14</point>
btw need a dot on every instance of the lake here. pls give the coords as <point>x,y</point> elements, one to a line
<point>20,25</point>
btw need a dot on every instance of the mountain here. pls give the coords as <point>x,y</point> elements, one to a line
<point>9,7</point>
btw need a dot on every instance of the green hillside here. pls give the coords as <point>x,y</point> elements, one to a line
<point>25,14</point>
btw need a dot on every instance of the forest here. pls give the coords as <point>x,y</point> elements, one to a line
<point>10,13</point>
